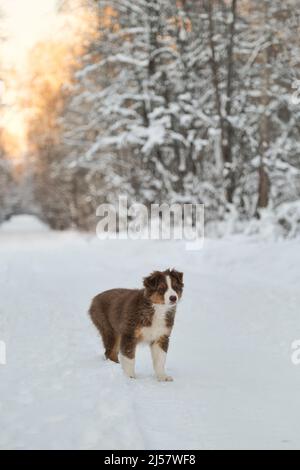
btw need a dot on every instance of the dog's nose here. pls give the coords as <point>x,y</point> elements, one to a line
<point>173,298</point>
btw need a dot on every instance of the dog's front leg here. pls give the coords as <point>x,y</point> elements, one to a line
<point>127,355</point>
<point>159,351</point>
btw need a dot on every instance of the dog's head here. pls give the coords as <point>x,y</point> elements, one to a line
<point>164,287</point>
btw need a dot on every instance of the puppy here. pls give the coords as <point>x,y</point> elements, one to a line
<point>127,317</point>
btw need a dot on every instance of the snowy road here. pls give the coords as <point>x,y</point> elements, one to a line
<point>235,385</point>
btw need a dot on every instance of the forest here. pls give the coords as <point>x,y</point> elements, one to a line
<point>164,101</point>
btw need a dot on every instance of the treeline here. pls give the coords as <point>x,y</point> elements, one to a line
<point>9,196</point>
<point>176,101</point>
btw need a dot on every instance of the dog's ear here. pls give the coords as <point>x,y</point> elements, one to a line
<point>151,282</point>
<point>178,276</point>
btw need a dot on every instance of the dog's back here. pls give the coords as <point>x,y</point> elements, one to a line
<point>111,312</point>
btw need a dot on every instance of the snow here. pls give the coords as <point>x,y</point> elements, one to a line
<point>235,385</point>
<point>23,224</point>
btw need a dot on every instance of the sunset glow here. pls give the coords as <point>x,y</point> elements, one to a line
<point>25,22</point>
<point>40,48</point>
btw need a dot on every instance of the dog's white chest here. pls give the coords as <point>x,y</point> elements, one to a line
<point>158,327</point>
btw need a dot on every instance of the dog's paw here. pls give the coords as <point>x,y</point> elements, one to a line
<point>130,376</point>
<point>165,378</point>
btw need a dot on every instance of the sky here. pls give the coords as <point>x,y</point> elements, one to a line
<point>25,22</point>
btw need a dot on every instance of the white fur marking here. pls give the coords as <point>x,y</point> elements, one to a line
<point>170,292</point>
<point>159,361</point>
<point>128,366</point>
<point>158,327</point>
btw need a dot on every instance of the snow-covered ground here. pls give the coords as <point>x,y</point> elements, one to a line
<point>235,385</point>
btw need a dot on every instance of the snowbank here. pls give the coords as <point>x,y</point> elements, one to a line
<point>272,224</point>
<point>24,223</point>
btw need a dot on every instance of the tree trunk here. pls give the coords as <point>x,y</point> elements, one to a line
<point>263,188</point>
<point>264,181</point>
<point>226,129</point>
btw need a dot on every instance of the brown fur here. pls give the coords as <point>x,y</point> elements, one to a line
<point>120,314</point>
<point>164,343</point>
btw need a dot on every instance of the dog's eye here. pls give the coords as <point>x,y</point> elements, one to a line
<point>177,288</point>
<point>161,290</point>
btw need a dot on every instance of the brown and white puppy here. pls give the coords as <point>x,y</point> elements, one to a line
<point>126,317</point>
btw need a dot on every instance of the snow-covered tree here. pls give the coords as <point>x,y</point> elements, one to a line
<point>269,118</point>
<point>182,101</point>
<point>137,107</point>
